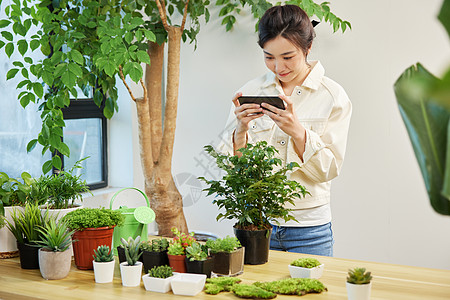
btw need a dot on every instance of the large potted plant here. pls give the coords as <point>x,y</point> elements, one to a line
<point>228,256</point>
<point>254,191</point>
<point>93,227</point>
<point>131,270</point>
<point>55,259</point>
<point>13,194</point>
<point>25,226</point>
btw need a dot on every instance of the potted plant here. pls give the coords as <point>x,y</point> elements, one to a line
<point>176,251</point>
<point>228,256</point>
<point>359,284</point>
<point>158,279</point>
<point>254,191</point>
<point>13,194</point>
<point>93,227</point>
<point>55,259</point>
<point>131,270</point>
<point>103,264</point>
<point>306,268</point>
<point>198,261</point>
<point>25,226</point>
<point>154,253</point>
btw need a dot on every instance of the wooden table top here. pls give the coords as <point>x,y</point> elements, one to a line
<point>394,282</point>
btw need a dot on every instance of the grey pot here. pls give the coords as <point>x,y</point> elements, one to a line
<point>54,265</point>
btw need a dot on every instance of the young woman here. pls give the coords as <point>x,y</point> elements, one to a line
<point>311,131</point>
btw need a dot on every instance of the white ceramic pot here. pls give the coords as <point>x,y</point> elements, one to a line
<point>358,291</point>
<point>104,271</point>
<point>8,245</point>
<point>160,285</point>
<point>299,272</point>
<point>188,284</point>
<point>131,275</point>
<point>54,265</point>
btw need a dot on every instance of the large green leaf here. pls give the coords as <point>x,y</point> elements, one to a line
<point>444,15</point>
<point>427,123</point>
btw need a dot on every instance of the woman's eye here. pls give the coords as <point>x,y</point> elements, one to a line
<point>287,58</point>
<point>269,57</point>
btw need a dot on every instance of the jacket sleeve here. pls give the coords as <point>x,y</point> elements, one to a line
<point>324,154</point>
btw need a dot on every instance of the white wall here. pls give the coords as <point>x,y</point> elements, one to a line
<point>380,206</point>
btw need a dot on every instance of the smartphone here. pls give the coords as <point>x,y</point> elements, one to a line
<point>272,100</point>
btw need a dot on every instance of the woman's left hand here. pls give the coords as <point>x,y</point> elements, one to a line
<point>286,119</point>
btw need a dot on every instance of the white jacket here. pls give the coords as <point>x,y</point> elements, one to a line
<point>324,109</point>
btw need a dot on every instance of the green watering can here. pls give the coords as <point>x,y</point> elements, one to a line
<point>136,220</point>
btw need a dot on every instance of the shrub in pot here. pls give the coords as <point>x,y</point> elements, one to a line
<point>228,256</point>
<point>93,227</point>
<point>55,257</point>
<point>103,264</point>
<point>359,284</point>
<point>198,261</point>
<point>177,249</point>
<point>25,226</point>
<point>131,270</point>
<point>255,191</point>
<point>158,279</point>
<point>307,267</point>
<point>154,253</point>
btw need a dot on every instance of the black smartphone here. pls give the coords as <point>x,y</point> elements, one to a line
<point>272,100</point>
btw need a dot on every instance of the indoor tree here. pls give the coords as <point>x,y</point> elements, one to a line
<point>87,44</point>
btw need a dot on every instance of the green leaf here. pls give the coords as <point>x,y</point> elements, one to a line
<point>77,57</point>
<point>444,15</point>
<point>9,49</point>
<point>38,89</point>
<point>64,149</point>
<point>7,35</point>
<point>4,23</point>
<point>34,44</point>
<point>55,140</point>
<point>11,73</point>
<point>424,118</point>
<point>31,145</point>
<point>149,35</point>
<point>143,57</point>
<point>19,29</point>
<point>22,46</point>
<point>56,162</point>
<point>24,101</point>
<point>47,167</point>
<point>2,43</point>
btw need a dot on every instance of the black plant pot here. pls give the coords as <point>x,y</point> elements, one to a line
<point>154,259</point>
<point>256,243</point>
<point>200,266</point>
<point>29,256</point>
<point>122,257</point>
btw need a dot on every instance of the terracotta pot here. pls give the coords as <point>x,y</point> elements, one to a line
<point>54,265</point>
<point>85,241</point>
<point>178,263</point>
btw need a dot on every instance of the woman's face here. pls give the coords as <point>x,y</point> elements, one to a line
<point>285,60</point>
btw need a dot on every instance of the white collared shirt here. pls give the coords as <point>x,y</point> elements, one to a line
<point>324,110</point>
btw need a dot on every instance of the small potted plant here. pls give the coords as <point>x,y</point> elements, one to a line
<point>197,260</point>
<point>158,279</point>
<point>307,267</point>
<point>25,226</point>
<point>55,257</point>
<point>228,256</point>
<point>154,253</point>
<point>359,284</point>
<point>131,270</point>
<point>103,264</point>
<point>93,227</point>
<point>176,251</point>
<point>255,191</point>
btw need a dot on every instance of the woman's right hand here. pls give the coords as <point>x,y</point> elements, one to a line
<point>244,114</point>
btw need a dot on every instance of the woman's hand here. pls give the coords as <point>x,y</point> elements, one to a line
<point>244,114</point>
<point>288,122</point>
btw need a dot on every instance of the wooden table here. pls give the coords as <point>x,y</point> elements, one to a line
<point>389,282</point>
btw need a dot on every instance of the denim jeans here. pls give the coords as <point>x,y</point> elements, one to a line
<point>316,240</point>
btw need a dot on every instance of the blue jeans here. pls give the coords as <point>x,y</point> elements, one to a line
<point>316,240</point>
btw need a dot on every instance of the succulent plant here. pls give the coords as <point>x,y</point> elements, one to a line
<point>306,262</point>
<point>161,272</point>
<point>132,251</point>
<point>155,245</point>
<point>227,244</point>
<point>359,276</point>
<point>103,254</point>
<point>197,252</point>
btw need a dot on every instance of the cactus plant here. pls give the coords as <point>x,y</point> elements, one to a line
<point>132,251</point>
<point>103,254</point>
<point>359,276</point>
<point>161,272</point>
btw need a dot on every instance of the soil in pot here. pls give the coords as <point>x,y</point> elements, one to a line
<point>256,243</point>
<point>154,259</point>
<point>29,256</point>
<point>200,266</point>
<point>178,263</point>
